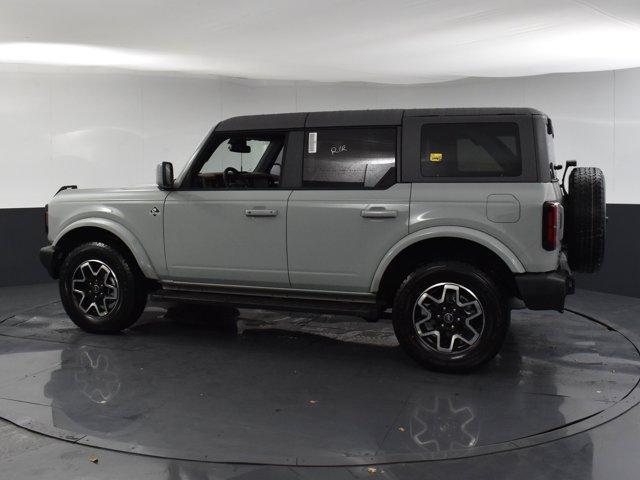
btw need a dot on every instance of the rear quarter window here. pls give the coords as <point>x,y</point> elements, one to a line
<point>470,150</point>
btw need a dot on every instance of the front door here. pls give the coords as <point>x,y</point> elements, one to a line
<point>227,222</point>
<point>350,210</point>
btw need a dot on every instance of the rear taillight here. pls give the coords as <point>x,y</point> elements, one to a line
<point>551,225</point>
<point>46,219</point>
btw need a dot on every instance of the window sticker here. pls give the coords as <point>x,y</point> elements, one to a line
<point>313,142</point>
<point>435,157</point>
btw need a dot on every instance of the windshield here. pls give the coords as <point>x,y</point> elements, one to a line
<point>187,166</point>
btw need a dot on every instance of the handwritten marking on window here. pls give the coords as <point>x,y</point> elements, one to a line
<point>339,149</point>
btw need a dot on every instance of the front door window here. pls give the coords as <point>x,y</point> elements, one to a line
<point>241,161</point>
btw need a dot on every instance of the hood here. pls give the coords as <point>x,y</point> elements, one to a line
<point>137,188</point>
<point>99,195</point>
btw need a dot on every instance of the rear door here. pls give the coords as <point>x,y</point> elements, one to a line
<point>350,209</point>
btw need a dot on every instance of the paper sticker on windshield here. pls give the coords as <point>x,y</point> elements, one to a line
<point>435,157</point>
<point>313,142</point>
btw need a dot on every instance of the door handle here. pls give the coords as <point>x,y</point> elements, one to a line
<point>260,212</point>
<point>378,212</point>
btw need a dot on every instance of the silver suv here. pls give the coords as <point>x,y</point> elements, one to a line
<point>445,219</point>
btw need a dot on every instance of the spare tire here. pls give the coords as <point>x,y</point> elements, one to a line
<point>586,215</point>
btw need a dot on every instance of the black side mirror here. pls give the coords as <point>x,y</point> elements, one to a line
<point>164,176</point>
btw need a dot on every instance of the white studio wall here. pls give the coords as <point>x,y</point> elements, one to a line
<point>96,129</point>
<point>111,129</point>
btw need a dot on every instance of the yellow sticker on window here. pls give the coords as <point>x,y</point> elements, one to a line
<point>435,157</point>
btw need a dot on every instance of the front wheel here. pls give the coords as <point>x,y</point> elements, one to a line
<point>450,316</point>
<point>100,289</point>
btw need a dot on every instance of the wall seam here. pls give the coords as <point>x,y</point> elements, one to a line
<point>615,121</point>
<point>51,121</point>
<point>142,125</point>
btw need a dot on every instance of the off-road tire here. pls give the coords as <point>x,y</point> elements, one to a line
<point>490,297</point>
<point>132,293</point>
<point>585,224</point>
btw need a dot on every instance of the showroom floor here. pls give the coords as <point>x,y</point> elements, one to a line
<point>201,393</point>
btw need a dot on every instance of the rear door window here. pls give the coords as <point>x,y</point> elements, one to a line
<point>470,150</point>
<point>350,158</point>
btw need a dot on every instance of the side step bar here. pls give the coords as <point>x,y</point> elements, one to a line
<point>357,304</point>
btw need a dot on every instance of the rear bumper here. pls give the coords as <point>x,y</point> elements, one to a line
<point>545,291</point>
<point>47,258</point>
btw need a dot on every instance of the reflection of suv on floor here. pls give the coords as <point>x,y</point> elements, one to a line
<point>450,218</point>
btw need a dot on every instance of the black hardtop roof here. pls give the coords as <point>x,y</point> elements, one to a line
<point>350,118</point>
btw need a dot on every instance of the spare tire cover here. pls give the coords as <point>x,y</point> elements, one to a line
<point>585,224</point>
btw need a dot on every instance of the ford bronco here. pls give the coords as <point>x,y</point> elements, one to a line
<point>444,219</point>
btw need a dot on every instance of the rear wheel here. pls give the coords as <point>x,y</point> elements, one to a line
<point>450,316</point>
<point>101,290</point>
